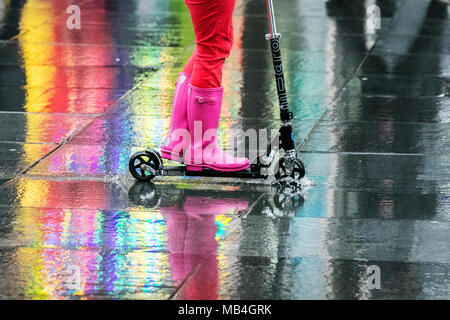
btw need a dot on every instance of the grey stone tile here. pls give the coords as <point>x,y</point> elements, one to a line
<point>309,278</point>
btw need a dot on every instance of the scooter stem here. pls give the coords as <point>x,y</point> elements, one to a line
<point>286,132</point>
<point>271,16</point>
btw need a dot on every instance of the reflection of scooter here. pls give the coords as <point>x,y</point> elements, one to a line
<point>196,223</point>
<point>145,165</point>
<point>276,203</point>
<point>268,200</point>
<point>162,196</point>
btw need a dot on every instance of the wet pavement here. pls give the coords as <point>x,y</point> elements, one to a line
<point>372,119</point>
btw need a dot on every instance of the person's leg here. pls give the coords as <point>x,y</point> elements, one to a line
<point>188,68</point>
<point>213,26</point>
<point>177,139</point>
<point>212,20</point>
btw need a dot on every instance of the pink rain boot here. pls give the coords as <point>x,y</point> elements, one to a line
<point>203,118</point>
<point>174,145</point>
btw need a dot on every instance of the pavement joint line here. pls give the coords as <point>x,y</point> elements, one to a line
<point>413,54</point>
<point>80,44</point>
<point>256,187</point>
<point>405,77</point>
<point>53,113</point>
<point>311,132</point>
<point>128,209</point>
<point>37,87</point>
<point>337,121</point>
<point>356,70</point>
<point>189,276</point>
<point>26,170</point>
<point>327,110</point>
<point>412,77</point>
<point>103,66</point>
<point>23,143</point>
<point>248,211</point>
<point>366,153</point>
<point>219,182</point>
<point>235,218</point>
<point>326,257</point>
<point>399,96</point>
<point>297,218</point>
<point>23,32</point>
<point>128,92</point>
<point>7,183</point>
<point>6,180</point>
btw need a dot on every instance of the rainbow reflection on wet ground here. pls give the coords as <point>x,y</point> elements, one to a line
<point>372,114</point>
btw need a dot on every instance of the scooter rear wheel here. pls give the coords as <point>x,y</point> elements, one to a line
<point>140,159</point>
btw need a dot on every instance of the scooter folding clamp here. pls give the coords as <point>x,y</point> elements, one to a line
<point>271,36</point>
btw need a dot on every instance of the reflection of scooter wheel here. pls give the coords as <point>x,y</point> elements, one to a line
<point>288,202</point>
<point>297,173</point>
<point>144,164</point>
<point>144,194</point>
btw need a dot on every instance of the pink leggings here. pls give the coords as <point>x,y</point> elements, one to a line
<point>213,27</point>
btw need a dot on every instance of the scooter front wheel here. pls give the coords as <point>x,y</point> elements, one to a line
<point>144,164</point>
<point>297,173</point>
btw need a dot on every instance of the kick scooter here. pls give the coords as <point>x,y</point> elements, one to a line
<point>148,164</point>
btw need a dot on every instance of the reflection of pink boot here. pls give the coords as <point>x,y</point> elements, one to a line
<point>216,206</point>
<point>204,106</point>
<point>173,146</point>
<point>191,233</point>
<point>177,223</point>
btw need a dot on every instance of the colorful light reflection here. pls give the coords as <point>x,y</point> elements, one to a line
<point>116,254</point>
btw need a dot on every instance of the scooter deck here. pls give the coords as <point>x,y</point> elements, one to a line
<point>252,172</point>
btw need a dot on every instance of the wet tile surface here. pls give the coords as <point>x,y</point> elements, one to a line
<point>303,278</point>
<point>302,237</point>
<point>40,127</point>
<point>109,280</point>
<point>408,65</point>
<point>83,55</point>
<point>394,109</point>
<point>16,157</point>
<point>74,77</point>
<point>392,85</point>
<point>372,116</point>
<point>381,137</point>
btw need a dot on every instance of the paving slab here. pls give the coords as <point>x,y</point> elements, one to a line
<point>313,278</point>
<point>16,157</point>
<point>40,127</point>
<point>54,54</point>
<point>102,275</point>
<point>354,239</point>
<point>396,109</point>
<point>59,100</point>
<point>412,65</point>
<point>381,137</point>
<point>72,77</point>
